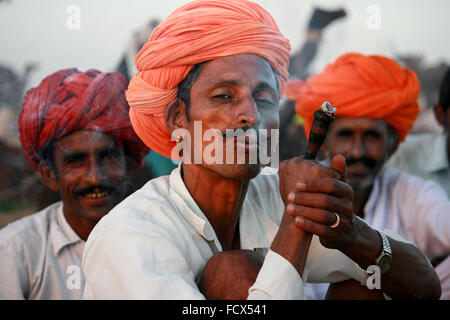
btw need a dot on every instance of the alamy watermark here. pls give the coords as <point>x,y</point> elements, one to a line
<point>234,146</point>
<point>73,21</point>
<point>73,281</point>
<point>372,278</point>
<point>373,21</point>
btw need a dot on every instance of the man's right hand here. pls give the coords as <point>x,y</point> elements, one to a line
<point>291,242</point>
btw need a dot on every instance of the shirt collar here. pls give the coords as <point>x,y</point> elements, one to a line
<point>61,233</point>
<point>189,208</point>
<point>437,160</point>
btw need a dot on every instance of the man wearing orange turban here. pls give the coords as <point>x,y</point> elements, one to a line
<point>376,101</point>
<point>75,131</point>
<point>223,65</point>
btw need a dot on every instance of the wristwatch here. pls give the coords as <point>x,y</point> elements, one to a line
<point>384,260</point>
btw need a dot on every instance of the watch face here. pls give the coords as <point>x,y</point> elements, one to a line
<point>384,263</point>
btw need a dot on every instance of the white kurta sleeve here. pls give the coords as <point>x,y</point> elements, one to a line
<point>277,279</point>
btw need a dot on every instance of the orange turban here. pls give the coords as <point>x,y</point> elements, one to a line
<point>69,100</point>
<point>361,86</point>
<point>199,31</point>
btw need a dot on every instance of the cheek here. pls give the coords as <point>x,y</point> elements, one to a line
<point>338,146</point>
<point>116,169</point>
<point>377,150</point>
<point>270,119</point>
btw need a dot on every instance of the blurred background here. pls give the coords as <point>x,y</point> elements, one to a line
<point>40,37</point>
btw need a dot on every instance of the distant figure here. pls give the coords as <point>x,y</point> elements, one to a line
<point>427,155</point>
<point>75,131</point>
<point>19,184</point>
<point>430,77</point>
<point>157,164</point>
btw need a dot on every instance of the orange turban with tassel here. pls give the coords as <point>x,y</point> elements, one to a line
<point>360,86</point>
<point>199,31</point>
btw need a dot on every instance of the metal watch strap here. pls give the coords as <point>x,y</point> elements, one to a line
<point>384,260</point>
<point>386,245</point>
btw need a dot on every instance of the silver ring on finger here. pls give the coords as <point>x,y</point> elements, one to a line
<point>338,220</point>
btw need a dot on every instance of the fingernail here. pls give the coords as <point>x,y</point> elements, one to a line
<point>290,208</point>
<point>291,196</point>
<point>301,185</point>
<point>299,221</point>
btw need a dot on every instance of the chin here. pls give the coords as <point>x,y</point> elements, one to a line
<point>240,172</point>
<point>360,184</point>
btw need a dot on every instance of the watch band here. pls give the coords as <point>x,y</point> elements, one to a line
<point>384,260</point>
<point>386,245</point>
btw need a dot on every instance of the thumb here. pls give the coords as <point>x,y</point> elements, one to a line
<point>338,163</point>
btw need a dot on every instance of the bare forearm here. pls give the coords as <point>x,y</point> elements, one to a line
<point>292,244</point>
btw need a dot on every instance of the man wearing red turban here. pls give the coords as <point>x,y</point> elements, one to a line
<point>222,64</point>
<point>376,101</point>
<point>75,131</point>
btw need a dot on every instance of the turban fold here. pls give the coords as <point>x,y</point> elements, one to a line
<point>360,86</point>
<point>199,31</point>
<point>68,101</point>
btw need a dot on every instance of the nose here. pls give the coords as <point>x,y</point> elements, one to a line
<point>359,148</point>
<point>248,113</point>
<point>94,173</point>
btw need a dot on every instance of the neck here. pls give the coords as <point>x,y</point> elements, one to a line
<point>219,198</point>
<point>82,227</point>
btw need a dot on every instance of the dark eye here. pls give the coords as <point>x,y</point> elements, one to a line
<point>111,154</point>
<point>223,97</point>
<point>345,133</point>
<point>265,99</point>
<point>74,159</point>
<point>373,134</point>
<point>266,103</point>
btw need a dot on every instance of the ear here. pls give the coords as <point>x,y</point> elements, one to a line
<point>175,115</point>
<point>439,113</point>
<point>393,145</point>
<point>48,176</point>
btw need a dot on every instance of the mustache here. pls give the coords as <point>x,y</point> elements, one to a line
<point>367,161</point>
<point>103,187</point>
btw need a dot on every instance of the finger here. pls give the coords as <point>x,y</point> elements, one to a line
<point>313,227</point>
<point>318,215</point>
<point>321,201</point>
<point>318,170</point>
<point>338,163</point>
<point>329,186</point>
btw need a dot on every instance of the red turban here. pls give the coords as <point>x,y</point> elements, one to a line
<point>68,101</point>
<point>361,86</point>
<point>199,31</point>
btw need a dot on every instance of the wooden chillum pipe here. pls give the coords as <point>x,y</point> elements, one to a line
<point>322,119</point>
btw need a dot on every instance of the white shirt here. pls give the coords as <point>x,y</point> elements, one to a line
<point>40,257</point>
<point>417,210</point>
<point>155,243</point>
<point>424,155</point>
